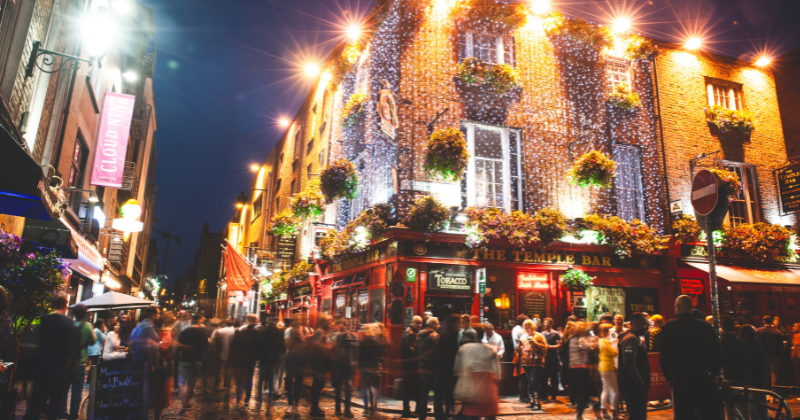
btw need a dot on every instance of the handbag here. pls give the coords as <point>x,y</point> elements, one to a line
<point>466,388</point>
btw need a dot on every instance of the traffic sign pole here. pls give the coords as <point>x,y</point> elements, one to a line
<point>712,273</point>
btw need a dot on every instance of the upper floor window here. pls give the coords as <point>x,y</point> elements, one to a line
<point>310,146</point>
<point>291,190</point>
<point>257,204</point>
<point>490,48</point>
<point>298,141</point>
<point>726,95</point>
<point>745,209</point>
<point>76,171</point>
<point>494,174</point>
<point>617,71</point>
<point>628,182</point>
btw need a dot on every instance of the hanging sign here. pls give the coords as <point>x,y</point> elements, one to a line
<point>453,278</point>
<point>112,142</point>
<point>480,274</point>
<point>789,188</point>
<point>387,111</point>
<point>539,281</point>
<point>411,274</point>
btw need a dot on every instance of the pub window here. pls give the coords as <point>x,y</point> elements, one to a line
<point>280,161</point>
<point>298,141</point>
<point>494,174</point>
<point>277,204</point>
<point>76,171</point>
<point>617,72</point>
<point>490,48</point>
<point>294,165</point>
<point>257,203</point>
<point>628,182</point>
<point>322,127</point>
<point>746,208</point>
<point>725,94</point>
<point>500,299</point>
<point>310,147</point>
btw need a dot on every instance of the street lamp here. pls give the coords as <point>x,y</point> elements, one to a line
<point>693,43</point>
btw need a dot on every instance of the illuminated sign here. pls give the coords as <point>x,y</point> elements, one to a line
<point>112,142</point>
<point>539,281</point>
<point>691,287</point>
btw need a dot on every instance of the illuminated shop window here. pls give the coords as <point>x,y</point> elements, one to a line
<point>257,203</point>
<point>489,48</point>
<point>628,182</point>
<point>725,94</point>
<point>494,174</point>
<point>745,209</point>
<point>617,71</point>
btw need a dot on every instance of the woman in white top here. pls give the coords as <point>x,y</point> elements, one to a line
<point>111,349</point>
<point>482,361</point>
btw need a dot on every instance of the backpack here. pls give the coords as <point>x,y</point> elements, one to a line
<point>77,345</point>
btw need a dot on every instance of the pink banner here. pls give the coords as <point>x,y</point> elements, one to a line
<point>112,141</point>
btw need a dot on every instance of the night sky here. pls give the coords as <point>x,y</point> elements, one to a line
<point>228,70</point>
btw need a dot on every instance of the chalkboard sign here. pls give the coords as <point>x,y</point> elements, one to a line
<point>533,303</point>
<point>789,188</point>
<point>118,391</point>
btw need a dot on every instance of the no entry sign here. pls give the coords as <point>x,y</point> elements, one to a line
<point>705,192</point>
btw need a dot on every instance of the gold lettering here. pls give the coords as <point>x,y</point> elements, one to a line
<point>488,254</point>
<point>475,255</point>
<point>551,258</point>
<point>516,255</point>
<point>501,255</point>
<point>587,260</point>
<point>607,261</point>
<point>537,257</point>
<point>570,259</point>
<point>561,258</point>
<point>528,256</point>
<point>595,261</point>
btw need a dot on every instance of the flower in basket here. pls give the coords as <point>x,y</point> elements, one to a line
<point>551,225</point>
<point>686,230</point>
<point>733,181</point>
<point>308,203</point>
<point>593,169</point>
<point>9,245</point>
<point>623,97</point>
<point>627,240</point>
<point>375,220</point>
<point>446,154</point>
<point>475,72</point>
<point>300,271</point>
<point>761,241</point>
<point>339,180</point>
<point>353,109</point>
<point>484,224</point>
<point>576,280</point>
<point>638,48</point>
<point>595,36</point>
<point>328,243</point>
<point>731,119</point>
<point>428,215</point>
<point>284,224</point>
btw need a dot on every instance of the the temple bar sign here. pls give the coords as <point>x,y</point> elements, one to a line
<point>789,187</point>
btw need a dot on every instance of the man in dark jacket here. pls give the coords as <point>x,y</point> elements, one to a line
<point>634,367</point>
<point>772,342</point>
<point>691,357</point>
<point>444,357</point>
<point>410,363</point>
<point>427,341</point>
<point>243,357</point>
<point>736,354</point>
<point>320,362</point>
<point>345,345</point>
<point>270,349</point>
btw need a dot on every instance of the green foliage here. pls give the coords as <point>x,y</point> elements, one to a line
<point>593,35</point>
<point>339,180</point>
<point>428,215</point>
<point>576,280</point>
<point>730,119</point>
<point>733,181</point>
<point>545,226</point>
<point>446,154</point>
<point>761,241</point>
<point>500,77</point>
<point>308,203</point>
<point>593,169</point>
<point>686,230</point>
<point>285,224</point>
<point>627,239</point>
<point>623,97</point>
<point>353,109</point>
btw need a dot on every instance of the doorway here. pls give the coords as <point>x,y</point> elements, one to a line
<point>443,306</point>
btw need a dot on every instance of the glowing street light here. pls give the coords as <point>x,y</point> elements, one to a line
<point>283,122</point>
<point>312,70</point>
<point>622,25</point>
<point>130,76</point>
<point>763,61</point>
<point>693,43</point>
<point>354,32</point>
<point>254,168</point>
<point>540,7</point>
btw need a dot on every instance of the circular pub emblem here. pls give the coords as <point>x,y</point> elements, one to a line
<point>420,249</point>
<point>644,263</point>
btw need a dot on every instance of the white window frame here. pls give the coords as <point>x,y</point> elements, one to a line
<point>752,204</point>
<point>611,62</point>
<point>499,40</point>
<point>728,97</point>
<point>471,166</point>
<point>638,188</point>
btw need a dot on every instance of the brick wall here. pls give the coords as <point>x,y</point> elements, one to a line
<point>787,82</point>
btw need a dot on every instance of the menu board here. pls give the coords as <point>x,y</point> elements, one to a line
<point>286,248</point>
<point>533,303</point>
<point>118,391</point>
<point>789,188</point>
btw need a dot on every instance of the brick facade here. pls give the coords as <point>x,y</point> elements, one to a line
<point>787,82</point>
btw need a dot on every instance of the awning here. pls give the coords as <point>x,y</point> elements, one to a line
<point>70,245</point>
<point>736,274</point>
<point>22,183</point>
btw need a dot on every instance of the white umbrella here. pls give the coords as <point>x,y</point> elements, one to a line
<point>115,300</point>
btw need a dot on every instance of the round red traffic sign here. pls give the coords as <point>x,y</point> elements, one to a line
<point>705,192</point>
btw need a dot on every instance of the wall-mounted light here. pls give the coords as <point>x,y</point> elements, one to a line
<point>693,43</point>
<point>130,76</point>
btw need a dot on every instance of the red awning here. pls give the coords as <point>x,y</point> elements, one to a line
<point>735,274</point>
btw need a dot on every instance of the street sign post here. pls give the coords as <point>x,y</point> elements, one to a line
<point>710,200</point>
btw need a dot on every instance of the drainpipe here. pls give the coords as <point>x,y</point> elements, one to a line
<point>668,226</point>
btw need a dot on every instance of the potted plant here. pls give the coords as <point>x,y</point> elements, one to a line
<point>593,169</point>
<point>284,224</point>
<point>309,203</point>
<point>576,280</point>
<point>428,215</point>
<point>446,154</point>
<point>729,119</point>
<point>686,230</point>
<point>622,97</point>
<point>339,180</point>
<point>731,181</point>
<point>501,78</point>
<point>353,109</point>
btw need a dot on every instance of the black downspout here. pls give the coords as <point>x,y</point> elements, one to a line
<point>668,226</point>
<point>75,65</point>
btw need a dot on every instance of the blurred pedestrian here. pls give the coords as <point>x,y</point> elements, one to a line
<point>580,364</point>
<point>295,364</point>
<point>96,349</point>
<point>736,360</point>
<point>757,372</point>
<point>427,341</point>
<point>608,373</point>
<point>345,346</point>
<point>634,367</point>
<point>410,363</point>
<point>145,343</point>
<point>691,358</point>
<point>271,349</point>
<point>112,349</point>
<point>484,367</point>
<point>192,343</point>
<point>786,371</point>
<point>494,341</point>
<point>549,388</point>
<point>796,352</point>
<point>466,325</point>
<point>320,362</point>
<point>243,358</point>
<point>772,342</point>
<point>563,354</point>
<point>85,337</point>
<point>516,333</point>
<point>371,361</point>
<point>444,357</point>
<point>222,338</point>
<point>532,352</point>
<point>163,377</point>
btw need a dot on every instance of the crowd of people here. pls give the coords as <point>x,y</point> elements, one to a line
<point>600,365</point>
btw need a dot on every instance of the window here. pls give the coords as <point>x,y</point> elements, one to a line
<point>322,127</point>
<point>617,71</point>
<point>277,204</point>
<point>294,165</point>
<point>291,190</point>
<point>494,174</point>
<point>725,94</point>
<point>278,187</point>
<point>746,208</point>
<point>76,172</point>
<point>503,291</point>
<point>628,182</point>
<point>322,158</point>
<point>309,170</point>
<point>280,161</point>
<point>257,203</point>
<point>490,48</point>
<point>310,147</point>
<point>358,204</point>
<point>298,142</point>
<point>314,108</point>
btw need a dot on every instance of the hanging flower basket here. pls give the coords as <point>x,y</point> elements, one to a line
<point>353,109</point>
<point>686,230</point>
<point>346,62</point>
<point>484,224</point>
<point>339,180</point>
<point>500,77</point>
<point>309,203</point>
<point>627,239</point>
<point>428,215</point>
<point>284,224</point>
<point>576,280</point>
<point>446,154</point>
<point>593,169</point>
<point>491,15</point>
<point>732,180</point>
<point>728,119</point>
<point>622,97</point>
<point>375,220</point>
<point>761,241</point>
<point>593,35</point>
<point>638,48</point>
<point>551,225</point>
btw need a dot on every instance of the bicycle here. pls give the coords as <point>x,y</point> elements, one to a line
<point>734,396</point>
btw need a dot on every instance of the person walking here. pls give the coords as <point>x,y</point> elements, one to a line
<point>409,363</point>
<point>96,349</point>
<point>466,325</point>
<point>757,371</point>
<point>345,346</point>
<point>691,357</point>
<point>516,334</point>
<point>444,357</point>
<point>192,343</point>
<point>494,341</point>
<point>531,353</point>
<point>371,360</point>
<point>85,337</point>
<point>51,373</point>
<point>319,361</point>
<point>145,343</point>
<point>243,358</point>
<point>772,342</point>
<point>608,373</point>
<point>271,348</point>
<point>295,364</point>
<point>563,354</point>
<point>580,348</point>
<point>785,369</point>
<point>634,367</point>
<point>551,367</point>
<point>222,338</point>
<point>736,362</point>
<point>796,352</point>
<point>484,367</point>
<point>427,341</point>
